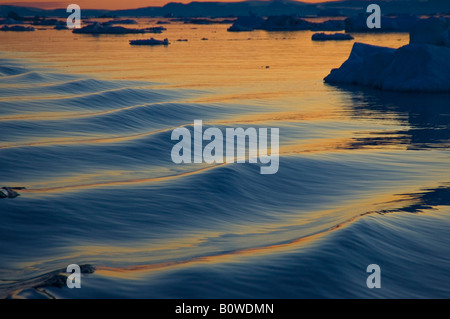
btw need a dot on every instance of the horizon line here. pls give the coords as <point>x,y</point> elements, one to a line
<point>55,5</point>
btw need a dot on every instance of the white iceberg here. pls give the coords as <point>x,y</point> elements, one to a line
<point>421,66</point>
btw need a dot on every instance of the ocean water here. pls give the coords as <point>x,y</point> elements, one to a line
<point>85,126</point>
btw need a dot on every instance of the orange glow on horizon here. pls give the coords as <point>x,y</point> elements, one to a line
<point>113,4</point>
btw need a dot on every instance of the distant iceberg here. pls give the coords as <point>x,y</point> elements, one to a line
<point>158,29</point>
<point>97,28</point>
<point>124,21</point>
<point>207,21</point>
<point>239,28</point>
<point>421,66</point>
<point>150,42</point>
<point>293,23</point>
<point>284,23</point>
<point>332,36</point>
<point>246,23</point>
<point>11,21</point>
<point>16,28</point>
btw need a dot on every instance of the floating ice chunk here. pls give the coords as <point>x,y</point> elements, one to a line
<point>150,42</point>
<point>97,28</point>
<point>332,36</point>
<point>124,21</point>
<point>239,28</point>
<point>248,23</point>
<point>284,23</point>
<point>293,23</point>
<point>10,192</point>
<point>16,28</point>
<point>412,68</point>
<point>362,66</point>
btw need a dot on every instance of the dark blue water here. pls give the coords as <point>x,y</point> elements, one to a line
<point>368,185</point>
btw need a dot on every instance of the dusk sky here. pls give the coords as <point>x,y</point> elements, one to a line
<point>109,4</point>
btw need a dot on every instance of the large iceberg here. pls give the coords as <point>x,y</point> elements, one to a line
<point>421,66</point>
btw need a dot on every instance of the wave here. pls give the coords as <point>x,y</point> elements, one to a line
<point>417,202</point>
<point>102,189</point>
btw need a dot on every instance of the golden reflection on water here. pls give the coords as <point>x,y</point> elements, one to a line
<point>347,216</point>
<point>279,74</point>
<point>261,240</point>
<point>227,60</point>
<point>122,178</point>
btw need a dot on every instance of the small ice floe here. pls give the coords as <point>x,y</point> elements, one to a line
<point>16,28</point>
<point>10,192</point>
<point>331,36</point>
<point>150,42</point>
